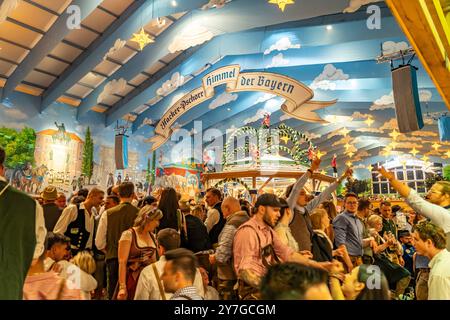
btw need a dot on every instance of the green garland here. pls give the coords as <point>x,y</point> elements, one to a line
<point>234,180</point>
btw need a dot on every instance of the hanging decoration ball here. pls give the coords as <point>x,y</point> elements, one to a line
<point>142,38</point>
<point>281,3</point>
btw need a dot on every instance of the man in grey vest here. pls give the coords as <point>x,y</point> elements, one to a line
<point>112,223</point>
<point>297,200</point>
<point>435,207</point>
<point>234,216</point>
<point>22,236</point>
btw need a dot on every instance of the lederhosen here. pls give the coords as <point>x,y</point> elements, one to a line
<point>77,232</point>
<point>247,292</point>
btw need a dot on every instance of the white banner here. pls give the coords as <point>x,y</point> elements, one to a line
<point>298,103</point>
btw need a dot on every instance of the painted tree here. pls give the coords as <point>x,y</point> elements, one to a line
<point>88,156</point>
<point>19,146</point>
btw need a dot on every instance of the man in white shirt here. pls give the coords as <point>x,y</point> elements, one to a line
<point>77,222</point>
<point>150,286</point>
<point>58,249</point>
<point>430,241</point>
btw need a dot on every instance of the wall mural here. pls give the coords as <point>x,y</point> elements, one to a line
<point>47,148</point>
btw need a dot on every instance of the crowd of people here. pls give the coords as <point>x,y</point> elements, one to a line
<point>115,245</point>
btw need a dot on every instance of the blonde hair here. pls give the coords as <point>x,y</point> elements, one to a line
<point>85,262</point>
<point>373,219</point>
<point>197,211</point>
<point>317,216</point>
<point>147,214</point>
<point>445,185</point>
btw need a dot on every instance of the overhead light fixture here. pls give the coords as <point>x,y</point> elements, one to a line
<point>174,3</point>
<point>281,3</point>
<point>329,27</point>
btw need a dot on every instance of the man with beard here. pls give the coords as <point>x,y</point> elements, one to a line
<point>256,247</point>
<point>435,207</point>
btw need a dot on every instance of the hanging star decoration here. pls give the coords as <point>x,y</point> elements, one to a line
<point>347,146</point>
<point>142,39</point>
<point>369,121</point>
<point>414,151</point>
<point>448,154</point>
<point>436,146</point>
<point>281,3</point>
<point>323,172</point>
<point>285,139</point>
<point>370,168</point>
<point>393,145</point>
<point>387,151</point>
<point>344,131</point>
<point>348,163</point>
<point>350,154</point>
<point>394,134</point>
<point>425,158</point>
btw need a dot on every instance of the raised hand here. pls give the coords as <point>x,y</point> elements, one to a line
<point>386,174</point>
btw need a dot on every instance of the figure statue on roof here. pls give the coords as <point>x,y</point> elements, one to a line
<point>334,165</point>
<point>266,121</point>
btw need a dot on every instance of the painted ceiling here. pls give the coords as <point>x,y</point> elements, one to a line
<point>102,76</point>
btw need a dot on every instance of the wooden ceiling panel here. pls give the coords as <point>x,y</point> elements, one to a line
<point>51,65</point>
<point>153,28</point>
<point>116,7</point>
<point>66,52</point>
<point>79,91</point>
<point>155,67</point>
<point>107,67</point>
<point>82,37</point>
<point>6,68</point>
<point>39,78</point>
<point>12,52</point>
<point>33,16</point>
<point>55,5</point>
<point>98,20</point>
<point>17,34</point>
<point>110,100</point>
<point>123,55</point>
<point>92,79</point>
<point>138,79</point>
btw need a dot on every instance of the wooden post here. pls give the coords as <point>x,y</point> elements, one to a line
<point>254,183</point>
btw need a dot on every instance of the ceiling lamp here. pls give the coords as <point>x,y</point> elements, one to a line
<point>142,39</point>
<point>369,121</point>
<point>414,151</point>
<point>394,134</point>
<point>281,3</point>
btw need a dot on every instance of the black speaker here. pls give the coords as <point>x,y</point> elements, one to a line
<point>121,151</point>
<point>406,97</point>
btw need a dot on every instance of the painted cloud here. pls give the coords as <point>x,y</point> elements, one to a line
<point>390,47</point>
<point>217,3</point>
<point>259,115</point>
<point>354,5</point>
<point>119,44</point>
<point>223,99</point>
<point>265,97</point>
<point>358,115</point>
<point>424,134</point>
<point>112,87</point>
<point>192,36</point>
<point>371,130</point>
<point>390,125</point>
<point>312,136</point>
<point>170,85</point>
<point>282,45</point>
<point>425,95</point>
<point>146,122</point>
<point>326,80</point>
<point>278,61</point>
<point>385,102</point>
